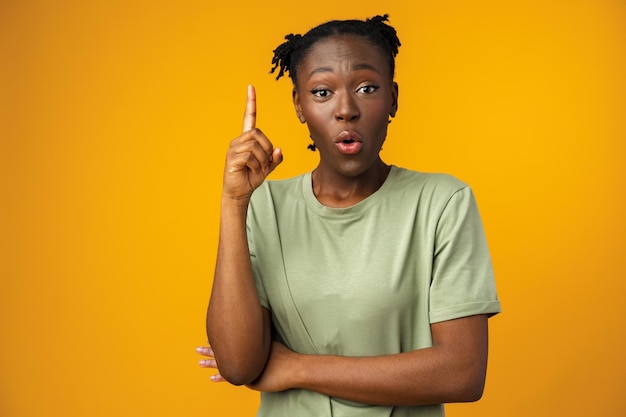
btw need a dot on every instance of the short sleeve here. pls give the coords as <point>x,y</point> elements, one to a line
<point>260,288</point>
<point>462,277</point>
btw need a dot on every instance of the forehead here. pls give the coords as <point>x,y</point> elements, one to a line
<point>341,51</point>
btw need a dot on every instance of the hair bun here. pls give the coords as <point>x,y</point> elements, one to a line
<point>282,54</point>
<point>378,19</point>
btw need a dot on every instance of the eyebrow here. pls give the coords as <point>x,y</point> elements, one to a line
<point>355,67</point>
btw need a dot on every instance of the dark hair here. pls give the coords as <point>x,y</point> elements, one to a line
<point>290,53</point>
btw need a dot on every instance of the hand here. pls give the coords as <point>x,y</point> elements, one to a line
<point>210,362</point>
<point>251,157</point>
<point>279,371</point>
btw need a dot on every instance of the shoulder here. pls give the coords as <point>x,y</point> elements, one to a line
<point>430,185</point>
<point>277,192</point>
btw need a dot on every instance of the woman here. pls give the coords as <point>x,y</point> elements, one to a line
<point>361,288</point>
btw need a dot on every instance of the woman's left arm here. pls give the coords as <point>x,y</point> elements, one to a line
<point>452,370</point>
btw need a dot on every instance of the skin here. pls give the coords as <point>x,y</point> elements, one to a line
<point>237,325</point>
<point>344,84</point>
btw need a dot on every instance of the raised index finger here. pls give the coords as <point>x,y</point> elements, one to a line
<point>249,117</point>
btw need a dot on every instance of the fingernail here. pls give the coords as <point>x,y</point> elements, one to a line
<point>199,349</point>
<point>202,362</point>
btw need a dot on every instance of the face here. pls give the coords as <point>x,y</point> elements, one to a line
<point>346,94</point>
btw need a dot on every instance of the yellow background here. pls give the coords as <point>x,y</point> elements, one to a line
<point>114,120</point>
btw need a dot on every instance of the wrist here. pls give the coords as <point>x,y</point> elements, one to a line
<point>303,369</point>
<point>235,203</point>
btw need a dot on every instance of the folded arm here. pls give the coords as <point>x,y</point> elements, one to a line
<point>452,370</point>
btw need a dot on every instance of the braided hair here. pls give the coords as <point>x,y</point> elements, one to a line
<point>289,54</point>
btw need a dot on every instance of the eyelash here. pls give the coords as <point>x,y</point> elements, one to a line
<point>318,92</point>
<point>371,88</point>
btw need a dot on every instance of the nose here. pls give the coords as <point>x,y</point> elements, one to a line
<point>347,109</point>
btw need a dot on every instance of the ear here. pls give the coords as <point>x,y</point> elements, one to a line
<point>394,93</point>
<point>295,97</point>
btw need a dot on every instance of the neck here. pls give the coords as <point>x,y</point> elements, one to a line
<point>340,191</point>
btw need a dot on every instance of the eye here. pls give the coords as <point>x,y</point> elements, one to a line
<point>320,92</point>
<point>367,89</point>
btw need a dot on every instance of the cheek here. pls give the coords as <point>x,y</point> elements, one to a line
<point>319,118</point>
<point>316,111</point>
<point>380,114</point>
<point>317,130</point>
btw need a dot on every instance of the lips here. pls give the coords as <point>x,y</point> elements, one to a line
<point>349,142</point>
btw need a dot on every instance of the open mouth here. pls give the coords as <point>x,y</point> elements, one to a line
<point>348,136</point>
<point>349,142</point>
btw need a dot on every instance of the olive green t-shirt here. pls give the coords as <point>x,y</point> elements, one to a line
<point>368,279</point>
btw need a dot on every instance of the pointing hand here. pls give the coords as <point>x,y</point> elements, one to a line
<point>251,157</point>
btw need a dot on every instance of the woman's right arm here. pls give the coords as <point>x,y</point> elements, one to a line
<point>237,325</point>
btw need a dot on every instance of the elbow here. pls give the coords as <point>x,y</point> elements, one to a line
<point>468,387</point>
<point>239,372</point>
<point>461,384</point>
<point>238,378</point>
<point>468,382</point>
<point>471,393</point>
<point>236,365</point>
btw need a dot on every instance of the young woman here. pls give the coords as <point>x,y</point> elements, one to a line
<point>360,288</point>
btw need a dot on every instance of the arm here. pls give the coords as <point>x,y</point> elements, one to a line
<point>452,370</point>
<point>237,326</point>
